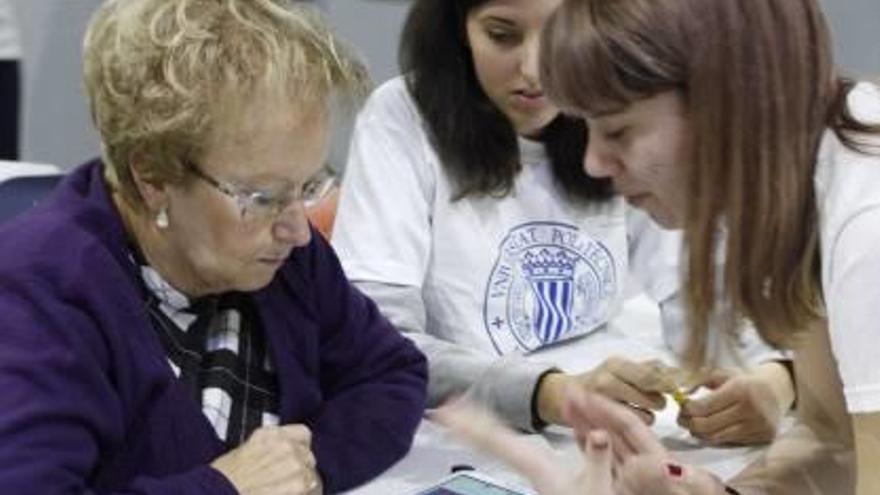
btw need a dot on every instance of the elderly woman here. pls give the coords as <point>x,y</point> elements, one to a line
<point>170,322</point>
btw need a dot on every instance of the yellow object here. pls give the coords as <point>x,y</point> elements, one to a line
<point>680,397</point>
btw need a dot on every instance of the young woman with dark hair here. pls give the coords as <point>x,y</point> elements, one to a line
<point>466,215</point>
<point>476,137</point>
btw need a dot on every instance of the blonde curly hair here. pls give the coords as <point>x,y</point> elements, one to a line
<point>163,75</point>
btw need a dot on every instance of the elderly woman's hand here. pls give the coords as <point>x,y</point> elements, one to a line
<point>275,460</point>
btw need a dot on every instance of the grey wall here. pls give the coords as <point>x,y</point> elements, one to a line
<point>856,29</point>
<point>57,129</point>
<point>372,27</point>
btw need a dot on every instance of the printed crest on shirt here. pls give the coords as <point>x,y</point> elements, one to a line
<point>550,282</point>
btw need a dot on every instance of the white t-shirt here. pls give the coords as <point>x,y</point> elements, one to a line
<point>501,275</point>
<point>848,194</point>
<point>10,49</point>
<point>479,282</point>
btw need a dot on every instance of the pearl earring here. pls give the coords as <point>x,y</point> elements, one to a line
<point>162,219</point>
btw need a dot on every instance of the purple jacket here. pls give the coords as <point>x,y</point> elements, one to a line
<point>89,404</point>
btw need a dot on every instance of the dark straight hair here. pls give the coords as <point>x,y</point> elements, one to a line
<point>475,141</point>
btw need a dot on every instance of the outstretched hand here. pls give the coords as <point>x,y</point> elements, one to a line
<point>538,464</point>
<point>621,454</point>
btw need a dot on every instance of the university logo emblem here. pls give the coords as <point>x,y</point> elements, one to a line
<point>550,283</point>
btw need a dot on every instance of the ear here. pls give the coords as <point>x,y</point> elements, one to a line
<point>152,190</point>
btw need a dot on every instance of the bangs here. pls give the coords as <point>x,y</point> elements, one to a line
<point>592,65</point>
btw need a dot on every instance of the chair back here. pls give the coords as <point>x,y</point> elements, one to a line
<point>24,185</point>
<point>323,214</point>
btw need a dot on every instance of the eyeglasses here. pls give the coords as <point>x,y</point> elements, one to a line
<point>265,204</point>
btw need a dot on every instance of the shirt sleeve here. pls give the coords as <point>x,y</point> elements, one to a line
<point>852,298</point>
<point>382,231</point>
<point>373,381</point>
<point>58,403</point>
<point>383,237</point>
<point>506,385</point>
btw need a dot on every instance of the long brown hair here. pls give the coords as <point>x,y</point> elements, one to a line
<point>761,88</point>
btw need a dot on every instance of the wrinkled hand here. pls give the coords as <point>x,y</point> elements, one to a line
<point>639,385</point>
<point>743,408</point>
<point>275,460</point>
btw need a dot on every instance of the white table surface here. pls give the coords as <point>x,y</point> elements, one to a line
<point>634,334</point>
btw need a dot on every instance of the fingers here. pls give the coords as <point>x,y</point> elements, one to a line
<point>294,433</point>
<point>630,436</point>
<point>715,378</point>
<point>305,455</point>
<point>312,482</point>
<point>646,475</point>
<point>297,433</point>
<point>736,434</point>
<point>704,426</point>
<point>731,426</point>
<point>273,460</point>
<point>659,476</point>
<point>645,415</point>
<point>625,393</point>
<point>650,376</point>
<point>297,436</point>
<point>737,413</point>
<point>634,383</point>
<point>598,458</point>
<point>723,398</point>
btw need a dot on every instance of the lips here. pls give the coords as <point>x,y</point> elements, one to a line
<point>531,100</point>
<point>529,93</point>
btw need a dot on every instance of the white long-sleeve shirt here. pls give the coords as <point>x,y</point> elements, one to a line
<point>480,282</point>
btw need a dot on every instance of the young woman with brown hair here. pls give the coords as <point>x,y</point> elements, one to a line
<point>728,118</point>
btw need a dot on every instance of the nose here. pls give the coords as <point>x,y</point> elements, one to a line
<point>599,160</point>
<point>292,226</point>
<point>529,64</point>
